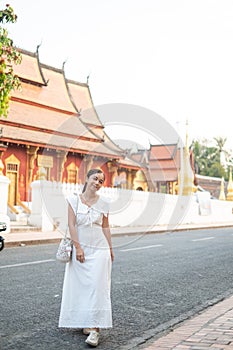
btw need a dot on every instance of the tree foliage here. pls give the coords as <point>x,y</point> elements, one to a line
<point>8,57</point>
<point>208,157</point>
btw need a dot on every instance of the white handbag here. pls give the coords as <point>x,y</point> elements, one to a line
<point>64,251</point>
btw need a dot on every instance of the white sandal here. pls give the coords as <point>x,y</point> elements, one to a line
<point>93,338</point>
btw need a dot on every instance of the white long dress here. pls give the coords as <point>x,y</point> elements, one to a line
<point>86,301</point>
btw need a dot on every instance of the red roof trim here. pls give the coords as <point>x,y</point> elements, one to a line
<point>94,126</point>
<point>70,150</point>
<point>48,131</point>
<point>28,81</point>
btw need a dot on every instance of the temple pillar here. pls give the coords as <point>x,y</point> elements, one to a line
<point>111,170</point>
<point>61,159</point>
<point>129,179</point>
<point>133,176</point>
<point>31,156</point>
<point>88,162</point>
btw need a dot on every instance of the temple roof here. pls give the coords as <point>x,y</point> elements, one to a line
<point>81,99</point>
<point>164,161</point>
<point>81,96</point>
<point>48,120</point>
<point>53,95</point>
<point>29,69</point>
<point>164,175</point>
<point>55,112</point>
<point>131,163</point>
<point>163,151</point>
<point>55,141</point>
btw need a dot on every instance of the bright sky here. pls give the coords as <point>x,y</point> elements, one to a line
<point>174,57</point>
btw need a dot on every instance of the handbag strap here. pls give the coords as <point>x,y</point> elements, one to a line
<point>67,226</point>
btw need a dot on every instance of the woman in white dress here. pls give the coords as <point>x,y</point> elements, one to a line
<point>86,301</point>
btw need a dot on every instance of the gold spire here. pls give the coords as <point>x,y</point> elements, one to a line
<point>186,176</point>
<point>230,187</point>
<point>222,196</point>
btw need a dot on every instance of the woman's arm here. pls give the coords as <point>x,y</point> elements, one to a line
<point>74,234</point>
<point>107,233</point>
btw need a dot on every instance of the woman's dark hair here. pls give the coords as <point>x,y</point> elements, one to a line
<point>92,172</point>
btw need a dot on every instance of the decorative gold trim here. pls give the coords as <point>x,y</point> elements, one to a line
<point>72,167</point>
<point>13,187</point>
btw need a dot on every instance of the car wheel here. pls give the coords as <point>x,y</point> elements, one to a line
<point>1,243</point>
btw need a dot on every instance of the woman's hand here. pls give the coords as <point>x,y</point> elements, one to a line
<point>73,234</point>
<point>112,254</point>
<point>80,254</point>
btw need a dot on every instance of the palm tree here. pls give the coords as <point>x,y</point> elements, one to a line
<point>223,154</point>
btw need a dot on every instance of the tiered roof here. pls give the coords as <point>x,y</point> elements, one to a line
<point>54,112</point>
<point>164,161</point>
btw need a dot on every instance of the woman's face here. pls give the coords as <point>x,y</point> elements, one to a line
<point>95,181</point>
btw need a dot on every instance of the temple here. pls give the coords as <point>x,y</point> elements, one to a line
<point>161,166</point>
<point>53,131</point>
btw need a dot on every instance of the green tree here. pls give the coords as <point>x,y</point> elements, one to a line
<point>217,170</point>
<point>207,158</point>
<point>224,155</point>
<point>8,57</point>
<point>199,161</point>
<point>221,141</point>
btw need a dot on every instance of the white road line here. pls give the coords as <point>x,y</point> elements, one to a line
<point>202,239</point>
<point>27,263</point>
<point>140,248</point>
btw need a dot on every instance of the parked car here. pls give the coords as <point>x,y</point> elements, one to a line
<point>2,228</point>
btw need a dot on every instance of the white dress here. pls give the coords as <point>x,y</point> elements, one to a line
<point>86,301</point>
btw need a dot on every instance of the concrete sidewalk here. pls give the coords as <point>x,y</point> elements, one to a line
<point>211,329</point>
<point>27,237</point>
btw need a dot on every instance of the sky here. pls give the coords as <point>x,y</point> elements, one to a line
<point>173,57</point>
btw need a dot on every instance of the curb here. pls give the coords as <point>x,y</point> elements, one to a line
<point>23,243</point>
<point>38,241</point>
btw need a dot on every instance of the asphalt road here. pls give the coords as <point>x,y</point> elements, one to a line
<point>158,280</point>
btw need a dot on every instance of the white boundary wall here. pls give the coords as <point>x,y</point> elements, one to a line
<point>128,207</point>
